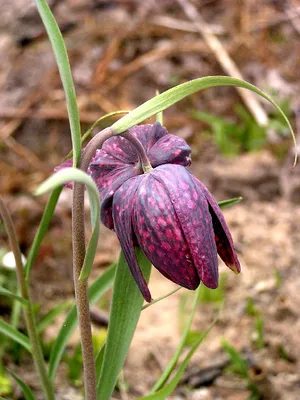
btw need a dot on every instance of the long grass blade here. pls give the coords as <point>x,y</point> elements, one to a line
<point>125,311</point>
<point>169,388</point>
<point>177,93</point>
<point>95,291</point>
<point>42,230</point>
<point>11,332</point>
<point>25,388</point>
<point>60,52</point>
<point>8,293</point>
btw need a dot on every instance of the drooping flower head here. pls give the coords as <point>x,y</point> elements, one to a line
<point>167,212</point>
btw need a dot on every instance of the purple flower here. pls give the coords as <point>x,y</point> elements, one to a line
<point>167,212</point>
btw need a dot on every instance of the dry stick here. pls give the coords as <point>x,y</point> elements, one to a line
<point>78,238</point>
<point>289,13</point>
<point>26,154</point>
<point>53,113</point>
<point>37,352</point>
<point>178,24</point>
<point>224,59</point>
<point>149,57</point>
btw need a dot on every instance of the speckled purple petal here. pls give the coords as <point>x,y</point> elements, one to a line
<point>223,237</point>
<point>148,134</point>
<point>122,212</point>
<point>192,211</point>
<point>161,147</point>
<point>108,184</point>
<point>170,149</point>
<point>119,149</point>
<point>159,233</point>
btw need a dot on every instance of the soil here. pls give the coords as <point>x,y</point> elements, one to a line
<point>121,52</point>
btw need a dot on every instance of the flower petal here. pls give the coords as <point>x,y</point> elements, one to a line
<point>148,134</point>
<point>108,186</point>
<point>120,149</point>
<point>122,211</point>
<point>159,233</point>
<point>170,149</point>
<point>223,237</point>
<point>109,174</point>
<point>193,214</point>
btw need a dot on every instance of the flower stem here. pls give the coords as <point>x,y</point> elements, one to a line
<point>37,352</point>
<point>78,238</point>
<point>145,163</point>
<point>161,298</point>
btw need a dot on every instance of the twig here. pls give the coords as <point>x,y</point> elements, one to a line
<point>293,13</point>
<point>290,13</point>
<point>178,24</point>
<point>46,113</point>
<point>37,352</point>
<point>224,59</point>
<point>151,56</point>
<point>110,53</point>
<point>25,153</point>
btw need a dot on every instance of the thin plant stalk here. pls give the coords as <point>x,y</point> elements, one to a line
<point>161,298</point>
<point>31,324</point>
<point>81,286</point>
<point>79,251</point>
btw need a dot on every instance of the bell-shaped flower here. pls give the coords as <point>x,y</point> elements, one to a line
<point>167,212</point>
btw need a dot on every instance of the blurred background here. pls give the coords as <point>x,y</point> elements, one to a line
<point>121,52</point>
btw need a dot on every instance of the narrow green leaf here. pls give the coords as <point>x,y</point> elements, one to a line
<point>8,293</point>
<point>229,202</point>
<point>16,312</point>
<point>42,230</point>
<point>73,174</point>
<point>99,361</point>
<point>50,316</point>
<point>99,121</point>
<point>173,95</point>
<point>173,362</point>
<point>159,115</point>
<point>25,388</point>
<point>168,389</point>
<point>95,291</point>
<point>126,307</point>
<point>63,64</point>
<point>238,364</point>
<point>11,332</point>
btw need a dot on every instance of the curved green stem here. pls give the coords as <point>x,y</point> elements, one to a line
<point>145,163</point>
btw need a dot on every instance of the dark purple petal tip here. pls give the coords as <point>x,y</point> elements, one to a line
<point>223,237</point>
